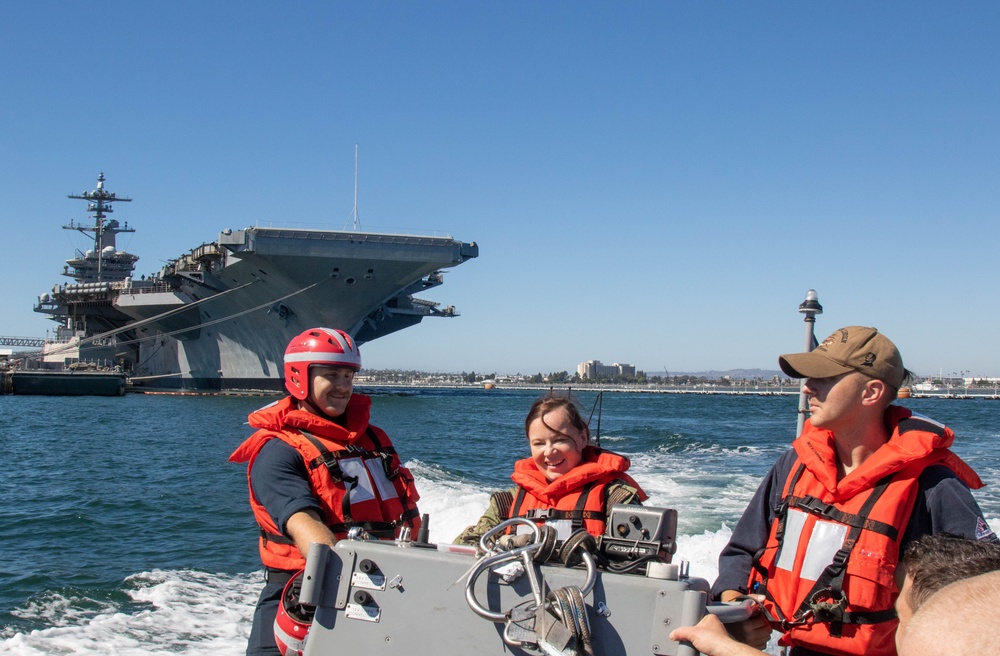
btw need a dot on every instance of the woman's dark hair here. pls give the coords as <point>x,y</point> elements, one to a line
<point>551,402</point>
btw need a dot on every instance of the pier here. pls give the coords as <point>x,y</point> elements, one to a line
<point>23,342</point>
<point>68,382</point>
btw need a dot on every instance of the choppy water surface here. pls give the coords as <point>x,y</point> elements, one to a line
<point>127,532</point>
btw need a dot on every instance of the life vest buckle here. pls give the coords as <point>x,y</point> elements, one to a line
<point>827,606</point>
<point>336,473</point>
<point>814,506</point>
<point>386,459</point>
<point>800,620</point>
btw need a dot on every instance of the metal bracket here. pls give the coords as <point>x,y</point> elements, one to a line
<point>312,575</point>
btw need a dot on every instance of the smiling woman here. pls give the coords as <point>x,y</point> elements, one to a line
<point>566,483</point>
<point>556,436</point>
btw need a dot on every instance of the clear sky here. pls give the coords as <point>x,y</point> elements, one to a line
<point>656,183</point>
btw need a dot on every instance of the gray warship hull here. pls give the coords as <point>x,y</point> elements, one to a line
<point>219,317</point>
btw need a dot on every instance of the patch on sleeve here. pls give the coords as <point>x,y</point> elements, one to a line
<point>984,532</point>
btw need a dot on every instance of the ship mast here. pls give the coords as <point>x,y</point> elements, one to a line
<point>354,214</point>
<point>101,265</point>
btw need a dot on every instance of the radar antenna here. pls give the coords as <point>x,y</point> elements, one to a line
<point>105,263</point>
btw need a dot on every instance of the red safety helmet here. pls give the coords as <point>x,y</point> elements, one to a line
<point>326,346</point>
<point>291,625</point>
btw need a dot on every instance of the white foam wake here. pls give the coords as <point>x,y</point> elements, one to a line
<point>189,612</point>
<point>181,612</point>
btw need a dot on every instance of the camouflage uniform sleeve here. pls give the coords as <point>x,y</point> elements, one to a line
<point>497,512</point>
<point>621,492</point>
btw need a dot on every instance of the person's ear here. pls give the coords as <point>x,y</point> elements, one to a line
<point>875,392</point>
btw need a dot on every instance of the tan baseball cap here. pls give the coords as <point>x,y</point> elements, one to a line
<point>854,348</point>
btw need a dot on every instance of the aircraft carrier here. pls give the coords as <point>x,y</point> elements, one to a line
<point>219,316</point>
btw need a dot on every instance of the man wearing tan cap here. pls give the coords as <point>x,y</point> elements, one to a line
<point>821,538</point>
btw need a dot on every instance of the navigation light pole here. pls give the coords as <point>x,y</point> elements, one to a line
<point>810,308</point>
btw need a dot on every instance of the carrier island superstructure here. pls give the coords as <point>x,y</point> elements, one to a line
<point>219,316</point>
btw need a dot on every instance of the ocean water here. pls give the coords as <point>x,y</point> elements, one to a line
<point>126,531</point>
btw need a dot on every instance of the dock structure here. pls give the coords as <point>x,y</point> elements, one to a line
<point>27,382</point>
<point>22,342</point>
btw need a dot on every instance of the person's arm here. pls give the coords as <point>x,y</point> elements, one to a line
<point>497,512</point>
<point>748,538</point>
<point>621,492</point>
<point>945,505</point>
<point>280,483</point>
<point>710,638</point>
<point>751,533</point>
<point>305,527</point>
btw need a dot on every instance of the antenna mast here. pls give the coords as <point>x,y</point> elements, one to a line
<point>355,213</point>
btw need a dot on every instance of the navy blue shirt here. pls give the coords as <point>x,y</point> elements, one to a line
<point>944,504</point>
<point>281,482</point>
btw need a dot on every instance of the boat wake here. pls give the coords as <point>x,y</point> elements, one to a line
<point>161,612</point>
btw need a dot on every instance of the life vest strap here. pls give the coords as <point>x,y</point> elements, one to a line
<point>277,538</point>
<point>330,458</point>
<point>380,530</point>
<point>833,613</point>
<point>826,601</point>
<point>830,584</point>
<point>515,508</point>
<point>382,452</point>
<point>276,576</point>
<point>871,617</point>
<point>781,512</point>
<point>814,506</point>
<point>577,515</point>
<point>552,513</point>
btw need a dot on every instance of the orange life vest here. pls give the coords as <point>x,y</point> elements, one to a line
<point>576,499</point>
<point>827,570</point>
<point>354,474</point>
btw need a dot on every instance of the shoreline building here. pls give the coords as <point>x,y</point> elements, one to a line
<point>594,368</point>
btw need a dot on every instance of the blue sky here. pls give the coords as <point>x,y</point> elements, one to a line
<point>656,183</point>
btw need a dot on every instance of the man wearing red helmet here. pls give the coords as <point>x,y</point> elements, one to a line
<point>317,468</point>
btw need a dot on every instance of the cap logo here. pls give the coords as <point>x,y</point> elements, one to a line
<point>869,360</point>
<point>831,340</point>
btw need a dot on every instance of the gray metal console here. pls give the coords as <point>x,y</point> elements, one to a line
<point>379,597</point>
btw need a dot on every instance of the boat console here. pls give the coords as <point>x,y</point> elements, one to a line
<point>520,592</point>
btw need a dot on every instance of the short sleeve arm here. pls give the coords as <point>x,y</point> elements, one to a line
<point>281,483</point>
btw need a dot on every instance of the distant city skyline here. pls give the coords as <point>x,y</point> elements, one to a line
<point>651,183</point>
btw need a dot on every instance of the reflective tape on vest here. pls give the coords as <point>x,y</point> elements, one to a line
<point>369,475</point>
<point>385,487</point>
<point>825,540</point>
